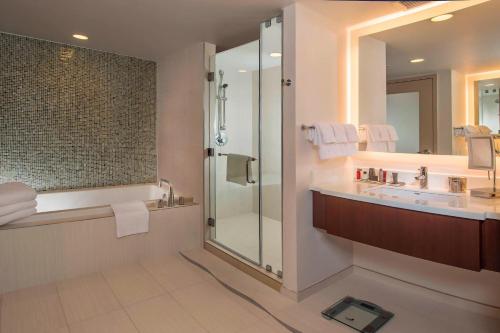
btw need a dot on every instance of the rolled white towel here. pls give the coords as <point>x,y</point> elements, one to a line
<point>11,193</point>
<point>9,209</point>
<point>17,215</point>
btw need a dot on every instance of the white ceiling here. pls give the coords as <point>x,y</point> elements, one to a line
<point>469,42</point>
<point>146,29</point>
<point>246,56</point>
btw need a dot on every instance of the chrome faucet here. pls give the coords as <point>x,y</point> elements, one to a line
<point>164,201</point>
<point>422,177</point>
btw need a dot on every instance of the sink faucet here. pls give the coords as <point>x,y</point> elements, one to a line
<point>169,202</point>
<point>422,177</point>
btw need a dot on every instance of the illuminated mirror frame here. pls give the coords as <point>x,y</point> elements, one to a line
<point>421,13</point>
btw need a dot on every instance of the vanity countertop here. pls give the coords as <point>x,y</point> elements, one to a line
<point>451,204</point>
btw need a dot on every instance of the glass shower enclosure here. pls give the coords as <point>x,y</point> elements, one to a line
<point>244,128</point>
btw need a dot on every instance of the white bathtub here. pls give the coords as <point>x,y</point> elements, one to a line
<point>58,207</point>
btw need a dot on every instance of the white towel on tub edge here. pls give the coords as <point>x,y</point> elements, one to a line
<point>20,214</point>
<point>131,218</point>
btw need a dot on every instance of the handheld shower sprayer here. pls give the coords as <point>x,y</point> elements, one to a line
<point>221,137</point>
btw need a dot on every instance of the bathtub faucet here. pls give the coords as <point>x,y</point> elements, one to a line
<point>169,202</point>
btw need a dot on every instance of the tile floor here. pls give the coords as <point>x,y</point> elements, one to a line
<point>171,295</point>
<point>241,233</point>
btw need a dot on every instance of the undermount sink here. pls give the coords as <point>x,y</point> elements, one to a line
<point>411,194</point>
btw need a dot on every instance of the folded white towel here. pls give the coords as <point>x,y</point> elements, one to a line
<point>339,133</point>
<point>391,146</point>
<point>380,146</point>
<point>9,209</point>
<point>11,193</point>
<point>17,215</point>
<point>393,134</point>
<point>373,133</point>
<point>326,132</point>
<point>484,130</point>
<point>351,133</point>
<point>131,218</point>
<point>471,130</point>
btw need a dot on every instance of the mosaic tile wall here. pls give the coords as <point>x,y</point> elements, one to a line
<point>72,117</point>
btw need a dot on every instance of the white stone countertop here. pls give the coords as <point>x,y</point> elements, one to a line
<point>429,201</point>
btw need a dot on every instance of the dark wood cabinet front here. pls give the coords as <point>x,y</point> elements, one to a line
<point>490,245</point>
<point>444,239</point>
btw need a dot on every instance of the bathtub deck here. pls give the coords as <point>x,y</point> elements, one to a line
<point>171,295</point>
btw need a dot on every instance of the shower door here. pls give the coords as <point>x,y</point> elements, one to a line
<point>244,137</point>
<point>234,138</point>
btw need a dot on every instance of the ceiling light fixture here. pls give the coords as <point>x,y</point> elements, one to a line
<point>78,36</point>
<point>489,85</point>
<point>275,54</point>
<point>417,60</point>
<point>242,70</point>
<point>441,18</point>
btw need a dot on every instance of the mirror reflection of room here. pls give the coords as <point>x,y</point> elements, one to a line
<point>435,82</point>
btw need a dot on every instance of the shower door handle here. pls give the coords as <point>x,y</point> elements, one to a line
<point>249,168</point>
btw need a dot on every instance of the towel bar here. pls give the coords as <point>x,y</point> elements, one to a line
<point>307,127</point>
<point>252,158</point>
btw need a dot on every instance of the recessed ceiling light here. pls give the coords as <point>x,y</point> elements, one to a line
<point>441,18</point>
<point>417,60</point>
<point>275,54</point>
<point>78,36</point>
<point>242,70</point>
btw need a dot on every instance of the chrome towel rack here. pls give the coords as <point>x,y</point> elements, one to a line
<point>249,157</point>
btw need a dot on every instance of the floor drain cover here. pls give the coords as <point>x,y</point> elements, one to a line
<point>361,315</point>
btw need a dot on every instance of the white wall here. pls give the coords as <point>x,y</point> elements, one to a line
<point>180,89</point>
<point>309,255</point>
<point>372,81</point>
<point>458,110</point>
<point>444,113</point>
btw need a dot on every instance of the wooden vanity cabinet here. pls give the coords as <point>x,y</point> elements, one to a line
<point>444,239</point>
<point>490,245</point>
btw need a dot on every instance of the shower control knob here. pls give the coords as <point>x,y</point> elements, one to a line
<point>287,83</point>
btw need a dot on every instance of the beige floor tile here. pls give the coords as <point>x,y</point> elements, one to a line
<point>36,309</point>
<point>269,298</point>
<point>86,297</point>
<point>162,314</point>
<point>218,267</point>
<point>174,272</point>
<point>262,327</point>
<point>113,322</point>
<point>132,284</point>
<point>213,309</point>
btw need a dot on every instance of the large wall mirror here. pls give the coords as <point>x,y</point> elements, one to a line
<point>433,80</point>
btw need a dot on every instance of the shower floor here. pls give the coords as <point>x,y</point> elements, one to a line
<point>241,234</point>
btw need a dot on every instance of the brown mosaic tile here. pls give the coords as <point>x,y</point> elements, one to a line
<point>72,117</point>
